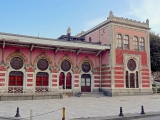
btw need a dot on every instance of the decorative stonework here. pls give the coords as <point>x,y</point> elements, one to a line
<point>42,64</point>
<point>65,65</point>
<point>17,54</point>
<point>16,63</point>
<point>131,65</point>
<point>65,57</point>
<point>42,56</point>
<point>86,59</point>
<point>86,67</point>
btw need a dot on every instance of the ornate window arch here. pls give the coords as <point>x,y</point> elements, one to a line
<point>86,60</point>
<point>119,41</point>
<point>17,54</point>
<point>126,42</point>
<point>42,56</point>
<point>142,44</point>
<point>135,42</point>
<point>66,58</point>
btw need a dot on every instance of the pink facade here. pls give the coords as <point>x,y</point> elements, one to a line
<point>95,61</point>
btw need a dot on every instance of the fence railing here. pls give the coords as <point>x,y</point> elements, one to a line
<point>30,91</point>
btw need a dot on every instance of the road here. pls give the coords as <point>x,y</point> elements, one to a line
<point>149,118</point>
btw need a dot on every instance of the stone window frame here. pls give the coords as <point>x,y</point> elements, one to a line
<point>119,40</point>
<point>141,44</point>
<point>135,46</point>
<point>124,40</point>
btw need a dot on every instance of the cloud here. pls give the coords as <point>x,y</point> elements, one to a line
<point>92,23</point>
<point>147,9</point>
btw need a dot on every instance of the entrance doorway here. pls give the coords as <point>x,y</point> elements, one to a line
<point>85,83</point>
<point>15,82</point>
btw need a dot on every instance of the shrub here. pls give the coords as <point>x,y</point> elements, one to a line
<point>154,85</point>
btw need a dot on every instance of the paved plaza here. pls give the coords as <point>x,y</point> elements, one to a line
<point>78,107</point>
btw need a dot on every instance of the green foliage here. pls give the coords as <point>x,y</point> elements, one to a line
<point>155,51</point>
<point>158,90</point>
<point>154,85</point>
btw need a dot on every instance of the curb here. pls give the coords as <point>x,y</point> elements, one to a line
<point>128,116</point>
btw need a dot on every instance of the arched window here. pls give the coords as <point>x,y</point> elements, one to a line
<point>137,80</point>
<point>127,85</point>
<point>141,44</point>
<point>126,42</point>
<point>62,80</point>
<point>68,81</point>
<point>132,75</point>
<point>119,41</point>
<point>135,42</point>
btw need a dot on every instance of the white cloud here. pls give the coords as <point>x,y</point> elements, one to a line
<point>144,9</point>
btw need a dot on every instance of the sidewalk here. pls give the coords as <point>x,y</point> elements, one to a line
<point>81,107</point>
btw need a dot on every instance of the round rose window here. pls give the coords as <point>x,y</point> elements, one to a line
<point>131,65</point>
<point>86,67</point>
<point>65,65</point>
<point>42,64</point>
<point>16,63</point>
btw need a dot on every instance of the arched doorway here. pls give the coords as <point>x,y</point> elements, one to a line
<point>68,81</point>
<point>62,80</point>
<point>15,82</point>
<point>86,83</point>
<point>42,82</point>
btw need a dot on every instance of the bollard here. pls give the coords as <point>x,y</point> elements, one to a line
<point>17,113</point>
<point>142,110</point>
<point>31,114</point>
<point>63,113</point>
<point>121,113</point>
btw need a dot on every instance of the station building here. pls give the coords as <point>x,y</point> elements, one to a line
<point>112,57</point>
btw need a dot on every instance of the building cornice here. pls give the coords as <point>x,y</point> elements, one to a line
<point>54,43</point>
<point>119,20</point>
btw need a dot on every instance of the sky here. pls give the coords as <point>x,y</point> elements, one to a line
<point>51,18</point>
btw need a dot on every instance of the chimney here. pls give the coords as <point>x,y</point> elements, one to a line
<point>68,33</point>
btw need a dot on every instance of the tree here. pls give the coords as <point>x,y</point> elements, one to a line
<point>155,51</point>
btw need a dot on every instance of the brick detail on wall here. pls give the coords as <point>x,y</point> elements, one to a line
<point>145,81</point>
<point>106,77</point>
<point>145,77</point>
<point>106,85</point>
<point>76,81</point>
<point>105,68</point>
<point>2,68</point>
<point>76,72</point>
<point>145,85</point>
<point>2,74</point>
<point>29,75</point>
<point>119,81</point>
<point>145,73</point>
<point>118,68</point>
<point>54,84</point>
<point>30,69</point>
<point>119,72</point>
<point>118,77</point>
<point>54,71</point>
<point>29,84</point>
<point>119,56</point>
<point>96,85</point>
<point>76,85</point>
<point>29,80</point>
<point>2,79</point>
<point>54,76</point>
<point>145,69</point>
<point>76,76</point>
<point>96,81</point>
<point>119,85</point>
<point>54,80</point>
<point>105,81</point>
<point>96,77</point>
